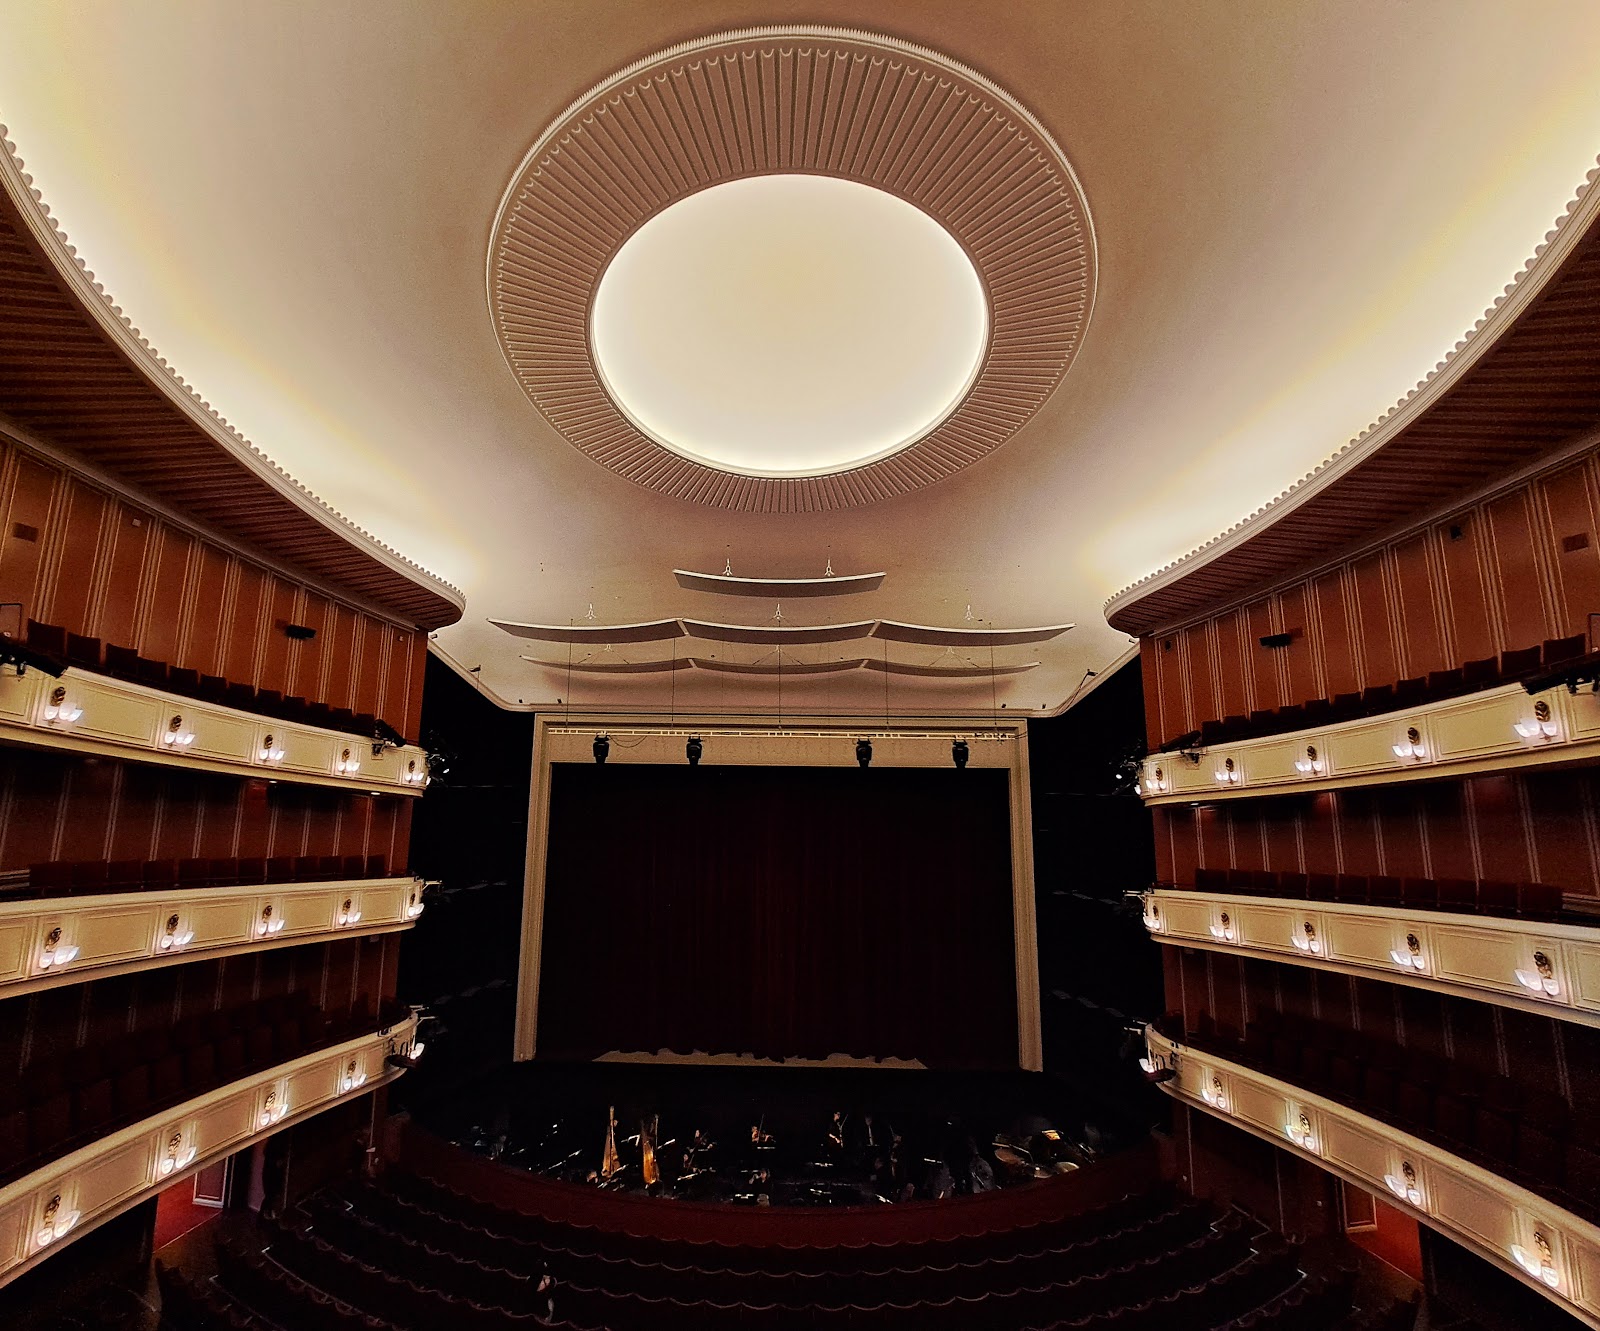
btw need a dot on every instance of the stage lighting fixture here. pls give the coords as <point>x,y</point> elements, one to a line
<point>959,753</point>
<point>602,747</point>
<point>693,749</point>
<point>864,752</point>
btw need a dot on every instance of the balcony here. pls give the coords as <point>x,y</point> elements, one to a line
<point>1545,1246</point>
<point>71,1195</point>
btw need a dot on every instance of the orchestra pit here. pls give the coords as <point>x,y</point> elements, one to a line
<point>800,665</point>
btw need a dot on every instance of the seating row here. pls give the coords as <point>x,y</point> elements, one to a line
<point>458,1258</point>
<point>62,1103</point>
<point>1524,1135</point>
<point>58,878</point>
<point>85,653</point>
<point>1532,901</point>
<point>1438,685</point>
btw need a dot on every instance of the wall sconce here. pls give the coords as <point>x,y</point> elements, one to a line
<point>270,922</point>
<point>175,736</point>
<point>174,938</point>
<point>1411,748</point>
<point>1298,1130</point>
<point>1410,956</point>
<point>1542,978</point>
<point>414,904</point>
<point>351,1079</point>
<point>271,751</point>
<point>1222,928</point>
<point>1155,783</point>
<point>349,912</point>
<point>1313,764</point>
<point>1539,1263</point>
<point>274,1105</point>
<point>58,711</point>
<point>414,775</point>
<point>1306,940</point>
<point>1543,728</point>
<point>1152,917</point>
<point>348,763</point>
<point>1214,1095</point>
<point>1227,774</point>
<point>56,952</point>
<point>1404,1185</point>
<point>177,1157</point>
<point>55,1221</point>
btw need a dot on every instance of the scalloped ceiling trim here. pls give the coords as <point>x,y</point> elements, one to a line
<point>71,264</point>
<point>1527,282</point>
<point>832,101</point>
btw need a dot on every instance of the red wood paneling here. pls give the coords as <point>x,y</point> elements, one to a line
<point>1264,662</point>
<point>1422,638</point>
<point>78,540</point>
<point>1336,635</point>
<point>27,520</point>
<point>1233,664</point>
<point>1299,657</point>
<point>163,618</point>
<point>119,599</point>
<point>1380,661</point>
<point>1568,520</point>
<point>1519,589</point>
<point>1175,715</point>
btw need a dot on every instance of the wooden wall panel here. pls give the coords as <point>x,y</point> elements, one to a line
<point>1422,627</point>
<point>95,563</point>
<point>1472,632</point>
<point>1568,531</point>
<point>1335,634</point>
<point>1233,681</point>
<point>1380,660</point>
<point>1519,588</point>
<point>1176,717</point>
<point>1299,657</point>
<point>1264,661</point>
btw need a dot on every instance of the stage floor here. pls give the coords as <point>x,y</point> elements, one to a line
<point>957,1132</point>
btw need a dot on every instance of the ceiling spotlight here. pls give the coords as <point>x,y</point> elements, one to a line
<point>693,749</point>
<point>959,753</point>
<point>864,752</point>
<point>602,747</point>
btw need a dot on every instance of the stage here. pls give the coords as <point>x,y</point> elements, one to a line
<point>776,1136</point>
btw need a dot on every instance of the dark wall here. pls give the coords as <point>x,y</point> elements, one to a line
<point>781,911</point>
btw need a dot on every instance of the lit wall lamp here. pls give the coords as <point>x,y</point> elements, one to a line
<point>1542,978</point>
<point>1411,748</point>
<point>352,1078</point>
<point>348,764</point>
<point>349,912</point>
<point>1222,928</point>
<point>58,711</point>
<point>1540,1262</point>
<point>1228,773</point>
<point>56,952</point>
<point>176,736</point>
<point>1214,1095</point>
<point>56,1221</point>
<point>1152,917</point>
<point>174,938</point>
<point>1313,764</point>
<point>414,904</point>
<point>178,1157</point>
<point>270,922</point>
<point>1542,728</point>
<point>414,775</point>
<point>274,1105</point>
<point>1404,1185</point>
<point>1155,783</point>
<point>1410,956</point>
<point>1306,940</point>
<point>1298,1130</point>
<point>271,751</point>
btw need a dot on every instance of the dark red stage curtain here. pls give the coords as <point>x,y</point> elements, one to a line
<point>782,912</point>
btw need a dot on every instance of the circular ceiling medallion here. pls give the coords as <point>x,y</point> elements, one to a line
<point>789,325</point>
<point>783,367</point>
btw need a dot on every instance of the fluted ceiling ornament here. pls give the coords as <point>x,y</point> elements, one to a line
<point>793,101</point>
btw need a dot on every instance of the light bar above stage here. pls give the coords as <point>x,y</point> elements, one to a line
<point>777,668</point>
<point>726,584</point>
<point>589,667</point>
<point>771,635</point>
<point>963,671</point>
<point>762,635</point>
<point>929,635</point>
<point>660,630</point>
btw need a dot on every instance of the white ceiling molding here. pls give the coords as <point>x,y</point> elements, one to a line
<point>801,100</point>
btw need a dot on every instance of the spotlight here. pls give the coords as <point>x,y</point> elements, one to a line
<point>602,747</point>
<point>959,753</point>
<point>693,749</point>
<point>864,752</point>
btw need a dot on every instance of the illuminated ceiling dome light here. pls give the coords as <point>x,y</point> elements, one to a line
<point>789,325</point>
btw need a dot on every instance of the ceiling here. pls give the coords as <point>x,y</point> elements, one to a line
<point>1297,210</point>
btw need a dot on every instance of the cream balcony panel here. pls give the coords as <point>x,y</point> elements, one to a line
<point>118,932</point>
<point>19,694</point>
<point>114,714</point>
<point>1581,713</point>
<point>1490,1214</point>
<point>16,938</point>
<point>1365,746</point>
<point>1476,727</point>
<point>105,1178</point>
<point>1273,761</point>
<point>224,735</point>
<point>1473,956</point>
<point>384,767</point>
<point>307,750</point>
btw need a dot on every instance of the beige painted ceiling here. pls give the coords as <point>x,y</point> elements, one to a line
<point>1299,208</point>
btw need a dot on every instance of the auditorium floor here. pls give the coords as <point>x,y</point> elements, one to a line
<point>551,1118</point>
